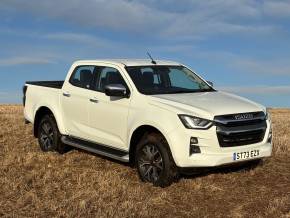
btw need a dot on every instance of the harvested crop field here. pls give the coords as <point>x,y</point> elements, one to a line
<point>79,184</point>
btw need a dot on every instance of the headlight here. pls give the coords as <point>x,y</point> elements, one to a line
<point>191,122</point>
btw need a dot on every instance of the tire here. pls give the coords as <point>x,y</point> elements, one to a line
<point>154,161</point>
<point>49,135</point>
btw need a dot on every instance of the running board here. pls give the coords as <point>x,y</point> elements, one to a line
<point>96,148</point>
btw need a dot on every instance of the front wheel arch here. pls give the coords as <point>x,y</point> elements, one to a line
<point>137,136</point>
<point>154,161</point>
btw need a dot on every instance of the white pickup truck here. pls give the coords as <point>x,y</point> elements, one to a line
<point>157,115</point>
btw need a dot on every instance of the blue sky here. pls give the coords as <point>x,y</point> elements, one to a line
<point>242,46</point>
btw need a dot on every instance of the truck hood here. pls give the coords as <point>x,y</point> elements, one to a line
<point>206,104</point>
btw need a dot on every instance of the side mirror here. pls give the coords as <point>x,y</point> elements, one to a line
<point>210,83</point>
<point>116,90</point>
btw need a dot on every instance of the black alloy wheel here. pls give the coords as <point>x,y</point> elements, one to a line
<point>46,136</point>
<point>150,163</point>
<point>154,160</point>
<point>49,137</point>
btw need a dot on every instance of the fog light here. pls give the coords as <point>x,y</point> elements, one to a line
<point>193,146</point>
<point>193,140</point>
<point>194,149</point>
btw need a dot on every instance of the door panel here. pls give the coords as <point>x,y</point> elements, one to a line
<point>75,101</point>
<point>108,116</point>
<point>108,120</point>
<point>75,111</point>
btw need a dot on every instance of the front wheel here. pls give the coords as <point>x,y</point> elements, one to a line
<point>154,161</point>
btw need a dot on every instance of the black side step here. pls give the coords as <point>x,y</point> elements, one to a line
<point>96,148</point>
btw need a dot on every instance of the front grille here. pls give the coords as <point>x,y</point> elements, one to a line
<point>233,132</point>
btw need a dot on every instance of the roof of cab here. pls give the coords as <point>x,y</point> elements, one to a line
<point>128,62</point>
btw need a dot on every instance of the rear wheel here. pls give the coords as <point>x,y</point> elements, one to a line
<point>49,135</point>
<point>154,161</point>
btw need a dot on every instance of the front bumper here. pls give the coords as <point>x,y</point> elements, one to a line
<point>211,153</point>
<point>222,158</point>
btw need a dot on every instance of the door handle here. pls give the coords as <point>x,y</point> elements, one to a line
<point>66,94</point>
<point>94,100</point>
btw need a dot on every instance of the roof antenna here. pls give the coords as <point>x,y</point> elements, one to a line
<point>152,60</point>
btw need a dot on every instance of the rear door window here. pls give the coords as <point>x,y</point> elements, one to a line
<point>83,77</point>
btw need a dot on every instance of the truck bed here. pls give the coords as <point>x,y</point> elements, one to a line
<point>50,84</point>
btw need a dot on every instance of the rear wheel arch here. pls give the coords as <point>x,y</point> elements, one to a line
<point>40,113</point>
<point>44,114</point>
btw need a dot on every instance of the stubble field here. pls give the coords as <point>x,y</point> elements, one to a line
<point>80,184</point>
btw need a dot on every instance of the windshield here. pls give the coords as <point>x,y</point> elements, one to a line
<point>152,80</point>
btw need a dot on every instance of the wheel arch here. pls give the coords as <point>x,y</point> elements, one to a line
<point>39,114</point>
<point>137,135</point>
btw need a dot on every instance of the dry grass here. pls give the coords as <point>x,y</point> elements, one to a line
<point>77,184</point>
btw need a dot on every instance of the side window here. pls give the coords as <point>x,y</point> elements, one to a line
<point>107,76</point>
<point>82,77</point>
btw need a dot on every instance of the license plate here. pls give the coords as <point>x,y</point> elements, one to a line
<point>246,155</point>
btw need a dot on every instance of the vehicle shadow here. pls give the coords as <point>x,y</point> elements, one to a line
<point>191,173</point>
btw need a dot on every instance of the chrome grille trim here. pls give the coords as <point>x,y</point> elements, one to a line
<point>231,132</point>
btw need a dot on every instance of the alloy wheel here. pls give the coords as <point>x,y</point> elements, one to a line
<point>46,135</point>
<point>150,163</point>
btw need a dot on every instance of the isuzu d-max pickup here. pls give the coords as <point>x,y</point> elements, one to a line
<point>159,116</point>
